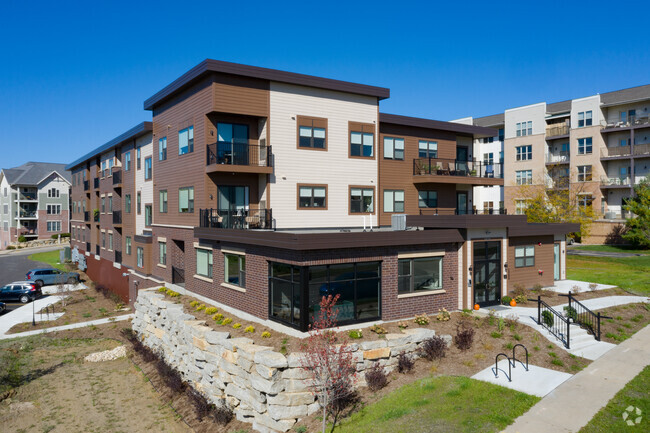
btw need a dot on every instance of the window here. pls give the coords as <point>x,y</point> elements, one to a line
<point>138,204</point>
<point>524,128</point>
<point>584,119</point>
<point>235,269</point>
<point>525,256</point>
<point>524,153</point>
<point>362,200</point>
<point>103,201</point>
<point>53,209</point>
<point>163,201</point>
<point>362,140</point>
<point>521,206</point>
<point>585,201</point>
<point>584,146</point>
<point>427,149</point>
<point>186,140</point>
<point>127,244</point>
<point>501,134</point>
<point>584,173</point>
<point>204,262</point>
<point>162,149</point>
<point>110,241</point>
<point>103,239</point>
<point>186,200</point>
<point>127,203</point>
<point>415,275</point>
<point>524,177</point>
<point>110,204</point>
<point>488,158</point>
<point>393,148</point>
<point>162,253</point>
<point>428,199</point>
<point>312,197</point>
<point>5,209</point>
<point>393,200</point>
<point>147,168</point>
<point>312,133</point>
<point>138,158</point>
<point>54,226</point>
<point>625,141</point>
<point>286,293</point>
<point>53,193</point>
<point>103,169</point>
<point>127,161</point>
<point>140,252</point>
<point>147,215</point>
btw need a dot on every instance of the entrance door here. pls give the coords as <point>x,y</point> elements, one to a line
<point>232,145</point>
<point>461,160</point>
<point>233,205</point>
<point>461,202</point>
<point>556,262</point>
<point>487,273</point>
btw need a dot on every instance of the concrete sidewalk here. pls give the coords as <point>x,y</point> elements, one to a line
<point>572,405</point>
<point>66,327</point>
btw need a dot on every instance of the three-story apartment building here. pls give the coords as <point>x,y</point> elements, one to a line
<point>264,190</point>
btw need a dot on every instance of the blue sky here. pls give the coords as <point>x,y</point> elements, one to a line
<point>75,74</point>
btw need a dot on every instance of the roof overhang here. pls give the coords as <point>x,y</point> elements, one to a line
<point>459,128</point>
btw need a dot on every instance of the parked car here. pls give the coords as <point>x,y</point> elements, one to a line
<point>23,291</point>
<point>45,276</point>
<point>3,307</point>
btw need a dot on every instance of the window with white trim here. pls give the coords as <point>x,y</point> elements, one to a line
<point>584,118</point>
<point>54,226</point>
<point>520,207</point>
<point>524,128</point>
<point>524,153</point>
<point>584,173</point>
<point>524,177</point>
<point>585,146</point>
<point>53,209</point>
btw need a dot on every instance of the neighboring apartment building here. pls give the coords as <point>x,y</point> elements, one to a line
<point>599,146</point>
<point>264,190</point>
<point>34,202</point>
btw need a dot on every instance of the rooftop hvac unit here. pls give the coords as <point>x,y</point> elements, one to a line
<point>398,222</point>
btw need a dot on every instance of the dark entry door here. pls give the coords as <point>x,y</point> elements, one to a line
<point>487,273</point>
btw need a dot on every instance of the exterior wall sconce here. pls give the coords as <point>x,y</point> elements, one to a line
<point>540,272</point>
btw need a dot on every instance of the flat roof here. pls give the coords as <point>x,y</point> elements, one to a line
<point>418,122</point>
<point>132,133</point>
<point>517,225</point>
<point>207,66</point>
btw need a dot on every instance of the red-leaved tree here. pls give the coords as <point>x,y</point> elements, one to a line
<point>330,365</point>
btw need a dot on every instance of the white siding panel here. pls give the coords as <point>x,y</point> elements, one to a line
<point>145,144</point>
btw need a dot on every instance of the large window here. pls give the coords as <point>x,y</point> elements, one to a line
<point>53,193</point>
<point>186,140</point>
<point>312,197</point>
<point>428,199</point>
<point>284,284</point>
<point>186,200</point>
<point>140,257</point>
<point>525,256</point>
<point>362,200</point>
<point>585,146</point>
<point>204,262</point>
<point>54,226</point>
<point>393,200</point>
<point>584,173</point>
<point>163,200</point>
<point>520,207</point>
<point>584,118</point>
<point>148,168</point>
<point>127,161</point>
<point>138,204</point>
<point>235,269</point>
<point>427,149</point>
<point>585,201</point>
<point>162,149</point>
<point>524,177</point>
<point>127,245</point>
<point>148,213</point>
<point>524,128</point>
<point>127,203</point>
<point>53,209</point>
<point>362,140</point>
<point>419,274</point>
<point>393,148</point>
<point>162,253</point>
<point>312,133</point>
<point>524,153</point>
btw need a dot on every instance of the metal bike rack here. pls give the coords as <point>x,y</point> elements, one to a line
<point>515,359</point>
<point>496,367</point>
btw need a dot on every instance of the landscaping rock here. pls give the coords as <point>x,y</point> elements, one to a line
<point>370,345</point>
<point>271,359</point>
<point>383,352</point>
<point>291,398</point>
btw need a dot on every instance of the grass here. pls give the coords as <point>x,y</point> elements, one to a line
<point>442,403</point>
<point>629,273</point>
<point>611,249</point>
<point>635,394</point>
<point>49,257</point>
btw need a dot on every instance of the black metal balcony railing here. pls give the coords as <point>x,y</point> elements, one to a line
<point>118,256</point>
<point>447,211</point>
<point>453,167</point>
<point>117,178</point>
<point>223,152</point>
<point>117,217</point>
<point>86,216</point>
<point>252,219</point>
<point>96,183</point>
<point>86,185</point>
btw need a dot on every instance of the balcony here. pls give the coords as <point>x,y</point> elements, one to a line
<point>86,216</point>
<point>87,247</point>
<point>557,131</point>
<point>117,217</point>
<point>25,231</point>
<point>557,158</point>
<point>118,256</point>
<point>23,214</point>
<point>615,182</point>
<point>238,158</point>
<point>252,219</point>
<point>96,183</point>
<point>615,152</point>
<point>27,196</point>
<point>86,185</point>
<point>448,211</point>
<point>631,122</point>
<point>117,179</point>
<point>557,182</point>
<point>438,170</point>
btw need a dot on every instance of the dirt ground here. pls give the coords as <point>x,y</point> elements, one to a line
<point>81,306</point>
<point>625,321</point>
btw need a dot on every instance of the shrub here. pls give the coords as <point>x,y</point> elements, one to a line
<point>211,310</point>
<point>173,294</point>
<point>501,324</point>
<point>194,303</point>
<point>355,334</point>
<point>226,321</point>
<point>22,238</point>
<point>402,325</point>
<point>443,315</point>
<point>200,307</point>
<point>495,334</point>
<point>593,286</point>
<point>170,376</point>
<point>404,362</point>
<point>547,318</point>
<point>236,326</point>
<point>162,289</point>
<point>521,299</point>
<point>250,329</point>
<point>11,247</point>
<point>421,319</point>
<point>377,329</point>
<point>537,287</point>
<point>201,405</point>
<point>376,377</point>
<point>433,348</point>
<point>221,415</point>
<point>464,337</point>
<point>506,300</point>
<point>570,312</point>
<point>266,334</point>
<point>517,337</point>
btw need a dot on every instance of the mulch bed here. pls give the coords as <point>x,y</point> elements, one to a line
<point>626,320</point>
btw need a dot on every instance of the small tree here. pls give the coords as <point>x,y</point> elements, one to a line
<point>330,366</point>
<point>638,226</point>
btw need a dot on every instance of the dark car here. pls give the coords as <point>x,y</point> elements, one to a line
<point>23,291</point>
<point>3,307</point>
<point>45,276</point>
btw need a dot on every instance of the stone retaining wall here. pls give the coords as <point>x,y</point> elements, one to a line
<point>261,386</point>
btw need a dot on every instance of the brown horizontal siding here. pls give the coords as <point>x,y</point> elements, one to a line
<point>240,95</point>
<point>529,276</point>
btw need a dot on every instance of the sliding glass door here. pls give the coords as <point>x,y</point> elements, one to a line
<point>232,146</point>
<point>233,203</point>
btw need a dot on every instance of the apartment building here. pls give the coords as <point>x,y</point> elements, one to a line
<point>34,202</point>
<point>598,146</point>
<point>264,190</point>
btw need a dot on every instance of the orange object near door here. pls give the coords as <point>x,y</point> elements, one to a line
<point>513,303</point>
<point>476,306</point>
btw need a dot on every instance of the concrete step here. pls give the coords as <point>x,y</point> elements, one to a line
<point>583,344</point>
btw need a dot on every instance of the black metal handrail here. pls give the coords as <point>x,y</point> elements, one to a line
<point>578,313</point>
<point>230,153</point>
<point>246,219</point>
<point>554,322</point>
<point>447,211</point>
<point>455,167</point>
<point>117,178</point>
<point>117,217</point>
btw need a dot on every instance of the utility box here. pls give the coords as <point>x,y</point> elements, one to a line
<point>398,222</point>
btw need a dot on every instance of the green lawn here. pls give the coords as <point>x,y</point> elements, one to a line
<point>630,273</point>
<point>611,249</point>
<point>610,418</point>
<point>49,257</point>
<point>445,403</point>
